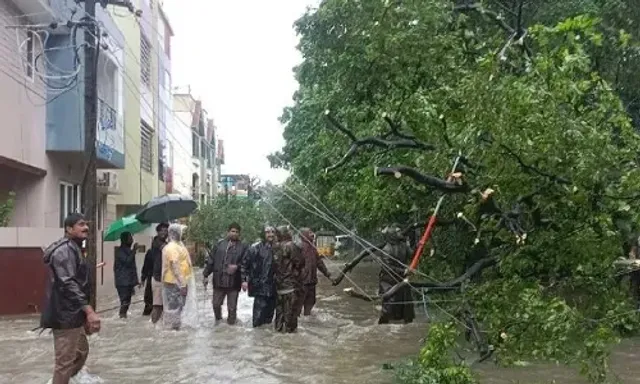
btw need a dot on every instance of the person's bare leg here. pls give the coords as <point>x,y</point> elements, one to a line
<point>156,313</point>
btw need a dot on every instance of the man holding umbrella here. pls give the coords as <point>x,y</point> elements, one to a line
<point>151,274</point>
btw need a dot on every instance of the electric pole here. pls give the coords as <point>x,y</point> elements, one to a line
<point>89,185</point>
<point>92,35</point>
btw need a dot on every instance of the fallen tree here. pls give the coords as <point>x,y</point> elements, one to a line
<point>550,164</point>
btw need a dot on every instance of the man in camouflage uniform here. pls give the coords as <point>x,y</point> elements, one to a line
<point>289,273</point>
<point>396,256</point>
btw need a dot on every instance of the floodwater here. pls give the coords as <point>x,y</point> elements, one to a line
<point>339,343</point>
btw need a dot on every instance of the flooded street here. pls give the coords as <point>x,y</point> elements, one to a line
<point>340,343</point>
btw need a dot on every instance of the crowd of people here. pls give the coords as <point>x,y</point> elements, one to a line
<point>278,273</point>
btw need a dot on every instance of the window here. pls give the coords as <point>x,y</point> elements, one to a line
<point>102,204</point>
<point>167,80</point>
<point>145,61</point>
<point>70,200</point>
<point>203,149</point>
<point>146,147</point>
<point>30,57</point>
<point>161,31</point>
<point>161,160</point>
<point>195,144</point>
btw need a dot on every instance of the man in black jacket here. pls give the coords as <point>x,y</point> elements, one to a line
<point>66,309</point>
<point>152,274</point>
<point>258,277</point>
<point>224,263</point>
<point>125,271</point>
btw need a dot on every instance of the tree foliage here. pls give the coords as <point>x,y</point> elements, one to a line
<point>6,209</point>
<point>539,114</point>
<point>210,223</point>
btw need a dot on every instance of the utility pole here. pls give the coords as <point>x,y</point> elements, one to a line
<point>89,185</point>
<point>92,35</point>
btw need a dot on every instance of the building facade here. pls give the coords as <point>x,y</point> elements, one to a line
<point>42,157</point>
<point>235,186</point>
<point>193,148</point>
<point>143,173</point>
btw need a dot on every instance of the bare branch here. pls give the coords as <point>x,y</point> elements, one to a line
<point>404,141</point>
<point>395,128</point>
<point>451,285</point>
<point>352,264</point>
<point>517,34</point>
<point>429,181</point>
<point>496,18</point>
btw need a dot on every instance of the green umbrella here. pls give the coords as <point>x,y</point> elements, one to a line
<point>125,224</point>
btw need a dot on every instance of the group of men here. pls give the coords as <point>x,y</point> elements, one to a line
<point>279,274</point>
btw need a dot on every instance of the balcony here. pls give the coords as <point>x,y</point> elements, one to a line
<point>110,140</point>
<point>37,11</point>
<point>65,123</point>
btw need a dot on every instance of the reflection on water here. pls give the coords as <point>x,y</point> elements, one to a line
<point>340,343</point>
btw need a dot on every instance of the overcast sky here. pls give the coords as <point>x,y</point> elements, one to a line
<point>238,56</point>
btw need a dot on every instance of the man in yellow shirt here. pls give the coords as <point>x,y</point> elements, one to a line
<point>176,272</point>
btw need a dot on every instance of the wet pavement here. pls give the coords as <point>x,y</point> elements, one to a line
<point>339,343</point>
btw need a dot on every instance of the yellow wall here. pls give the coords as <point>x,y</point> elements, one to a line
<point>137,186</point>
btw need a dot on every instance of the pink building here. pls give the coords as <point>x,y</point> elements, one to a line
<point>46,180</point>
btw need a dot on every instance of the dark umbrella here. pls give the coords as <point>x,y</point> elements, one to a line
<point>165,208</point>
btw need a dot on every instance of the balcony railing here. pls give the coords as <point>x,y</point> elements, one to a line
<point>107,120</point>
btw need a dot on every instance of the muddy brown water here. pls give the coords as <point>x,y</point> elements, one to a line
<point>339,343</point>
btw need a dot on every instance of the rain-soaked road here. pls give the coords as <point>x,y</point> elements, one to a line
<point>340,343</point>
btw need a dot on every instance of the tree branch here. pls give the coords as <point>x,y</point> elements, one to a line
<point>356,260</point>
<point>450,285</point>
<point>529,168</point>
<point>517,33</point>
<point>404,141</point>
<point>429,181</point>
<point>496,18</point>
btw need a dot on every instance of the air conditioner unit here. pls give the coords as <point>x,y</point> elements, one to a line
<point>108,182</point>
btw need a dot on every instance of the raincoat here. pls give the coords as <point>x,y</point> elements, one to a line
<point>289,270</point>
<point>258,272</point>
<point>177,273</point>
<point>68,288</point>
<point>395,256</point>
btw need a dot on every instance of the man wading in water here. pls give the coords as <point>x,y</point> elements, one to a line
<point>67,310</point>
<point>258,278</point>
<point>125,272</point>
<point>224,264</point>
<point>152,274</point>
<point>312,264</point>
<point>396,254</point>
<point>289,269</point>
